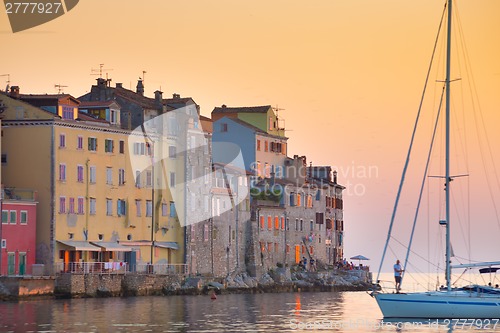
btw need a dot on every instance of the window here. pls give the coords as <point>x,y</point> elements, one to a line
<point>108,146</point>
<point>121,208</point>
<point>93,175</point>
<point>299,199</point>
<point>311,225</point>
<point>62,172</point>
<point>4,243</point>
<point>164,209</point>
<point>71,205</point>
<point>266,145</point>
<point>173,213</point>
<point>149,208</point>
<point>92,206</point>
<point>172,152</point>
<point>62,205</point>
<point>271,123</point>
<point>193,233</point>
<point>205,232</point>
<point>113,116</point>
<point>62,141</point>
<point>269,222</point>
<point>172,179</point>
<point>276,223</point>
<point>71,235</point>
<point>149,180</point>
<point>13,217</point>
<point>149,150</point>
<point>261,222</point>
<point>109,207</point>
<point>287,223</point>
<point>301,225</point>
<point>282,223</point>
<point>109,176</point>
<point>80,206</point>
<point>138,208</point>
<point>79,143</point>
<point>4,158</point>
<point>100,236</point>
<point>296,224</point>
<point>5,216</point>
<point>122,147</point>
<point>67,112</point>
<point>92,144</point>
<point>276,247</point>
<point>267,170</point>
<point>121,177</point>
<point>138,179</point>
<point>79,173</point>
<point>139,148</point>
<point>258,145</point>
<point>223,127</point>
<point>292,199</point>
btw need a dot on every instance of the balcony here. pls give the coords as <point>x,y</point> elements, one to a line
<point>18,194</point>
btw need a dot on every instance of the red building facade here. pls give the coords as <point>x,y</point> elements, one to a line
<point>18,232</point>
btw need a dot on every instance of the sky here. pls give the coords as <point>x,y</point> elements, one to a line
<point>347,74</point>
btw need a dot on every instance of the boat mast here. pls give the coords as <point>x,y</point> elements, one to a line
<point>447,173</point>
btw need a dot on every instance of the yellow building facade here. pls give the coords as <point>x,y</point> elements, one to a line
<point>93,206</point>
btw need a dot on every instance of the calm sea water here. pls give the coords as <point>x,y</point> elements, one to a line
<point>287,312</point>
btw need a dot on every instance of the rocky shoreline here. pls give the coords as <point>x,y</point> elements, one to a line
<point>126,285</point>
<point>279,280</point>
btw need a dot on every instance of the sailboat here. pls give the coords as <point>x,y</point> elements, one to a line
<point>471,302</point>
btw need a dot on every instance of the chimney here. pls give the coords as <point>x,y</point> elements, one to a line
<point>158,98</point>
<point>176,96</point>
<point>140,88</point>
<point>224,106</point>
<point>119,85</point>
<point>14,92</point>
<point>335,177</point>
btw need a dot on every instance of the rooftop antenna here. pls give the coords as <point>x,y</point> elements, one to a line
<point>94,71</point>
<point>59,88</point>
<point>281,122</point>
<point>8,82</point>
<point>143,76</point>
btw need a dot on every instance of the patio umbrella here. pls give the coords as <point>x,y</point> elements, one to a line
<point>359,258</point>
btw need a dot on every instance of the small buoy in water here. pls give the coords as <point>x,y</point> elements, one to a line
<point>213,295</point>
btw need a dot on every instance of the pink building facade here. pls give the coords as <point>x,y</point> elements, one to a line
<point>18,232</point>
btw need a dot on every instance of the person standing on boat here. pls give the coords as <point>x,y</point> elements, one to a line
<point>397,275</point>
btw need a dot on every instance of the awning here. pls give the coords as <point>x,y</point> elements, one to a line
<point>80,245</point>
<point>167,245</point>
<point>112,247</point>
<point>135,243</point>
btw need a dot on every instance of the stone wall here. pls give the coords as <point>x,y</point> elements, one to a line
<point>106,285</point>
<point>19,287</point>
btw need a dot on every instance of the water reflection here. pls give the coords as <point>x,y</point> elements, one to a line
<point>292,312</point>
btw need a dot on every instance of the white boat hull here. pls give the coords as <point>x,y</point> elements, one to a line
<point>439,305</point>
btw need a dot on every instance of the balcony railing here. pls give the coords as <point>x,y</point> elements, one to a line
<point>119,268</point>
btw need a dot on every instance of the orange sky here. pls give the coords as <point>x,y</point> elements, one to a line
<point>349,75</point>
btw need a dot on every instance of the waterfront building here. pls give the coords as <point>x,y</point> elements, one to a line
<point>18,230</point>
<point>94,207</point>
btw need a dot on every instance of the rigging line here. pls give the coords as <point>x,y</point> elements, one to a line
<point>410,147</point>
<point>413,252</point>
<point>422,186</point>
<point>474,93</point>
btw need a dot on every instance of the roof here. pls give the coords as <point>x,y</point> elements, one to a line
<point>253,128</point>
<point>134,97</point>
<point>205,118</point>
<point>97,103</point>
<point>242,109</point>
<point>27,97</point>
